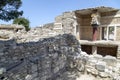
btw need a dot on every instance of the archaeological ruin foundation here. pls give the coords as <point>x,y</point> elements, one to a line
<point>71,48</point>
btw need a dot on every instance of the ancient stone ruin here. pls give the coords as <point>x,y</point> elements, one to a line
<point>67,49</point>
<point>55,58</point>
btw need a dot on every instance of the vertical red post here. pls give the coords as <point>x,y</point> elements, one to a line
<point>95,33</point>
<point>95,22</point>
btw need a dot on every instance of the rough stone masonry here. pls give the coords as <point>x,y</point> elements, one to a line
<point>55,58</point>
<point>46,59</point>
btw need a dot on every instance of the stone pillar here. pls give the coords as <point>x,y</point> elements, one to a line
<point>118,52</point>
<point>94,50</point>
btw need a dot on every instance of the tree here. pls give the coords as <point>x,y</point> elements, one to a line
<point>22,21</point>
<point>9,9</point>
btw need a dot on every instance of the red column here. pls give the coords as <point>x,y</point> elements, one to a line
<point>95,33</point>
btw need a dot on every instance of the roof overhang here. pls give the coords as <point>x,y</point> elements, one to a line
<point>101,9</point>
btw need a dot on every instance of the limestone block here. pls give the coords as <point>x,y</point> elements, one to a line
<point>58,18</point>
<point>28,77</point>
<point>110,59</point>
<point>68,14</point>
<point>116,69</point>
<point>97,56</point>
<point>103,75</point>
<point>100,66</point>
<point>2,70</point>
<point>117,78</point>
<point>91,70</point>
<point>83,53</point>
<point>92,60</point>
<point>94,72</point>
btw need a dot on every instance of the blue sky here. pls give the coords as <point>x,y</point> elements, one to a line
<point>44,11</point>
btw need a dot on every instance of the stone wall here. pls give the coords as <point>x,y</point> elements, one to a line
<point>110,20</point>
<point>55,58</point>
<point>68,23</point>
<point>46,59</point>
<point>100,68</point>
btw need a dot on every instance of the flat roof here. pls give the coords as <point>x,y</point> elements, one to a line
<point>101,9</point>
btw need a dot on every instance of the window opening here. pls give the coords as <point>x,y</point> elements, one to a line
<point>111,33</point>
<point>108,33</point>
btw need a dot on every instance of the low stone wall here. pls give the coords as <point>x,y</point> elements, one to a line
<point>46,59</point>
<point>99,67</point>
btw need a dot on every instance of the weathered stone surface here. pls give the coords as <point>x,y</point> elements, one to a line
<point>97,56</point>
<point>103,74</point>
<point>55,58</point>
<point>100,66</point>
<point>92,70</point>
<point>2,70</point>
<point>44,59</point>
<point>28,77</point>
<point>110,59</point>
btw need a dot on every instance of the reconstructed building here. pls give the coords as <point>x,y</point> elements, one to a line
<point>96,28</point>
